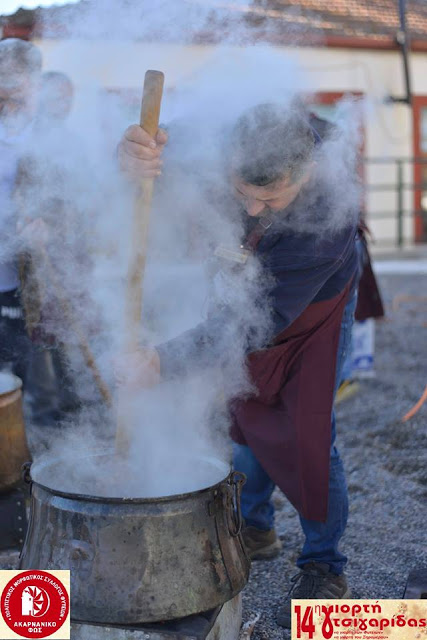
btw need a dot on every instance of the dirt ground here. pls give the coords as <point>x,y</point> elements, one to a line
<point>386,465</point>
<point>385,461</point>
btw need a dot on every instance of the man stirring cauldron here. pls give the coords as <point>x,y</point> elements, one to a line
<point>284,434</point>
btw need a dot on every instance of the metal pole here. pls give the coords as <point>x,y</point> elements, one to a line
<point>399,166</point>
<point>403,41</point>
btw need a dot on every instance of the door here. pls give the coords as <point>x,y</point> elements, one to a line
<point>420,168</point>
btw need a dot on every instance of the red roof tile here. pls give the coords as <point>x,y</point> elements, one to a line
<point>277,21</point>
<point>358,17</point>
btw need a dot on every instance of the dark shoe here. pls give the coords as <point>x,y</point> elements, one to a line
<point>315,581</point>
<point>261,545</point>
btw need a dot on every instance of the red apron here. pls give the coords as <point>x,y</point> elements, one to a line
<point>288,423</point>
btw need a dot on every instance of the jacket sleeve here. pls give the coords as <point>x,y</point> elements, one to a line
<point>296,282</point>
<point>204,346</point>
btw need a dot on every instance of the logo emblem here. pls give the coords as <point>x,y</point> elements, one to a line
<point>34,604</point>
<point>35,601</point>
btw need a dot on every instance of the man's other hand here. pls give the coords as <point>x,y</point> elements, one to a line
<point>139,369</point>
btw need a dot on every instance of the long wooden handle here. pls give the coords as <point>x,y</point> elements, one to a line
<point>151,101</point>
<point>76,326</point>
<point>149,121</point>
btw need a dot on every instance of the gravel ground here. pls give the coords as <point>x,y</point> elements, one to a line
<point>385,461</point>
<point>386,470</point>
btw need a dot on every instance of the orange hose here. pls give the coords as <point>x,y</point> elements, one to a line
<point>416,407</point>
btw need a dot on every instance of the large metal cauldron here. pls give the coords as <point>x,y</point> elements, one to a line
<point>13,443</point>
<point>141,560</point>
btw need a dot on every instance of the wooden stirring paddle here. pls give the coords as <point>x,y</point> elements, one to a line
<point>149,121</point>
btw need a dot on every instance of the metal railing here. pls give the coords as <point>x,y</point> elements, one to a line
<point>401,187</point>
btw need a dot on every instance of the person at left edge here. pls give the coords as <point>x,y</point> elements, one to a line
<point>20,68</point>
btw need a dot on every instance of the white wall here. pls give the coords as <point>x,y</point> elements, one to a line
<point>388,127</point>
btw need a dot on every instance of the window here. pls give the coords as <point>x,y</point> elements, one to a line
<point>423,148</point>
<point>420,167</point>
<point>423,130</point>
<point>324,105</point>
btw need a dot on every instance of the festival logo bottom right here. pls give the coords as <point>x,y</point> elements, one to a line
<point>359,620</point>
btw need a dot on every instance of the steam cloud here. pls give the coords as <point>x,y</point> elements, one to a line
<point>75,185</point>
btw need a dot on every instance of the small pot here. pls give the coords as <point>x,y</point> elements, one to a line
<point>137,560</point>
<point>13,443</point>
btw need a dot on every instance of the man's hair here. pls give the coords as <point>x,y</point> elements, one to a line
<point>269,142</point>
<point>18,58</point>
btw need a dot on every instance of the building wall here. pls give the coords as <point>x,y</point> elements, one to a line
<point>388,127</point>
<point>376,74</point>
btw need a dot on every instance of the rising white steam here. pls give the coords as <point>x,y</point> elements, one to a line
<point>76,187</point>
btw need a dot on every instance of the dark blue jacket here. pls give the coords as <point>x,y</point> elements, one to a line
<point>300,266</point>
<point>307,268</point>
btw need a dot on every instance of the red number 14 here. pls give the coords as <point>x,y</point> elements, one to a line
<point>306,624</point>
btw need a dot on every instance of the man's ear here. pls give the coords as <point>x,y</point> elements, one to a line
<point>311,168</point>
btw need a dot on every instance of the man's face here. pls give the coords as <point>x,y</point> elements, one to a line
<point>17,104</point>
<point>258,201</point>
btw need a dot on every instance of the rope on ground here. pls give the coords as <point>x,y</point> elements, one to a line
<point>416,407</point>
<point>248,627</point>
<point>400,299</point>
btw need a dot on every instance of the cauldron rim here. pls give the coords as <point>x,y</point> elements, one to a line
<point>115,500</point>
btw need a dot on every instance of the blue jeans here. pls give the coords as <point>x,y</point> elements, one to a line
<point>321,538</point>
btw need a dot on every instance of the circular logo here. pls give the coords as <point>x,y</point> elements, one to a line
<point>34,604</point>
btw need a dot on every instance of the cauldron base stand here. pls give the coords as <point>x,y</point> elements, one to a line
<point>222,623</point>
